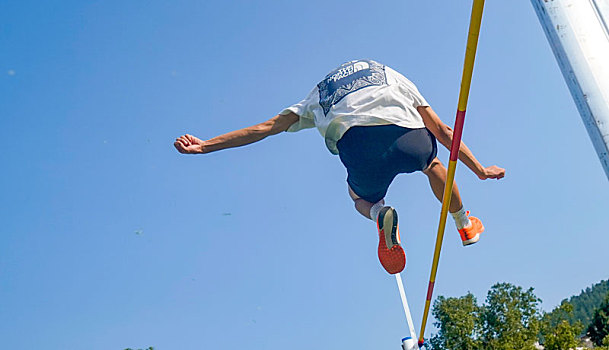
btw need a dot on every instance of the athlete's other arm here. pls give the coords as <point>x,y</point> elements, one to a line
<point>193,145</point>
<point>444,134</point>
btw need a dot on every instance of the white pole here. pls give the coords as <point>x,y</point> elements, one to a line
<point>407,343</point>
<point>578,31</point>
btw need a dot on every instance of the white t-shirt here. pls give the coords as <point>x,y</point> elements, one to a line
<point>358,93</point>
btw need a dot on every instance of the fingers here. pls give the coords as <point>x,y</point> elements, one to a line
<point>497,173</point>
<point>179,146</point>
<point>493,172</point>
<point>500,172</point>
<point>185,139</point>
<point>191,139</point>
<point>182,143</point>
<point>188,144</point>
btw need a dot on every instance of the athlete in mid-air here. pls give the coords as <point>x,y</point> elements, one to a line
<point>380,126</point>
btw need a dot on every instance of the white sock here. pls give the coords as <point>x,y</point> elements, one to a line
<point>374,210</point>
<point>461,219</point>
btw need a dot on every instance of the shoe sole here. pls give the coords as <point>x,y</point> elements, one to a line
<point>389,217</point>
<point>472,240</point>
<point>390,252</point>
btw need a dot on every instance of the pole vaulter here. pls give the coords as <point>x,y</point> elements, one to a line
<point>468,68</point>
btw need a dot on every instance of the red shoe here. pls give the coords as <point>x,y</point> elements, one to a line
<point>471,233</point>
<point>390,252</point>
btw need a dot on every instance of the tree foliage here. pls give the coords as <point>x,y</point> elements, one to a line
<point>599,327</point>
<point>584,304</point>
<point>557,332</point>
<point>508,320</point>
<point>606,343</point>
<point>458,323</point>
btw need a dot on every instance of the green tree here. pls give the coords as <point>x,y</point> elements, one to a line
<point>599,328</point>
<point>606,343</point>
<point>563,337</point>
<point>584,304</point>
<point>458,322</point>
<point>557,332</point>
<point>510,318</point>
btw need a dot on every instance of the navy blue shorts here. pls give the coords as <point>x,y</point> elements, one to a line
<point>374,155</point>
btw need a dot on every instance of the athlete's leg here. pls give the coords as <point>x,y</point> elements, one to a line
<point>436,174</point>
<point>361,205</point>
<point>390,252</point>
<point>469,228</point>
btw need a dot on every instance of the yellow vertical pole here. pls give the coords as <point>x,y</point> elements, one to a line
<point>468,68</point>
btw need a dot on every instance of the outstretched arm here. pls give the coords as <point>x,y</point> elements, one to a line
<point>444,134</point>
<point>192,145</point>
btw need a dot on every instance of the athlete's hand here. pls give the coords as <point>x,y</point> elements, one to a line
<point>492,172</point>
<point>189,144</point>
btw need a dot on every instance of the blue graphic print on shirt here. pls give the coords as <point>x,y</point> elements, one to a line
<point>347,78</point>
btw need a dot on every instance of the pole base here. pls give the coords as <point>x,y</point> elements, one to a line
<point>409,344</point>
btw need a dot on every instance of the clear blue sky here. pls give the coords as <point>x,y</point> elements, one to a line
<point>111,239</point>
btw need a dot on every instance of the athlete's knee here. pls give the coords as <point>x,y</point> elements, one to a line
<point>435,165</point>
<point>352,194</point>
<point>359,202</point>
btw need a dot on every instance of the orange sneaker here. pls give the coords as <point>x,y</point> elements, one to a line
<point>471,233</point>
<point>390,252</point>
